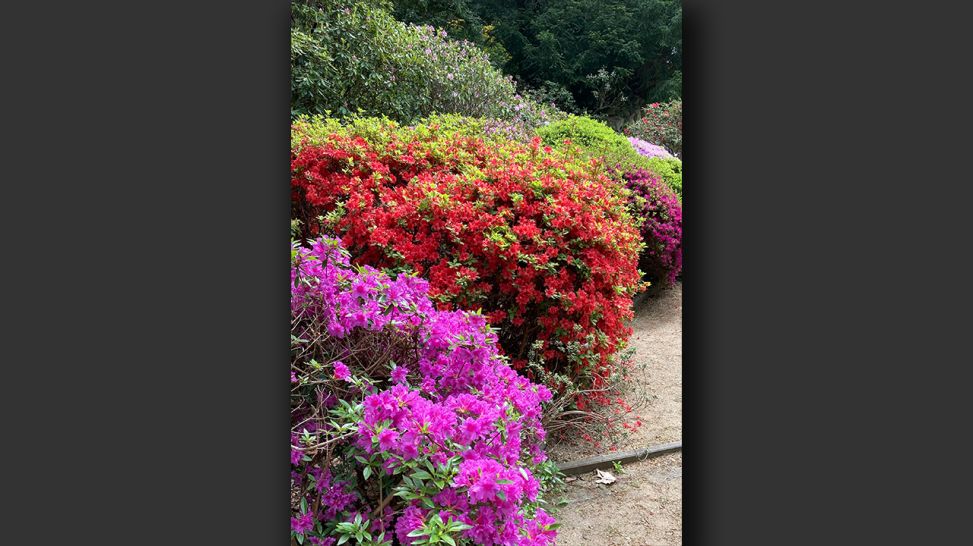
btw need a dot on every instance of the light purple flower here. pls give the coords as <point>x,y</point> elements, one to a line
<point>647,149</point>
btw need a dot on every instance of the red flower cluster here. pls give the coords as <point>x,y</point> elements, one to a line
<point>540,241</point>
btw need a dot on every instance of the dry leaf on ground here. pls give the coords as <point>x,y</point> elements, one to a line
<point>604,477</point>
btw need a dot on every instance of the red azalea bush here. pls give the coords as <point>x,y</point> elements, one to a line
<point>542,241</point>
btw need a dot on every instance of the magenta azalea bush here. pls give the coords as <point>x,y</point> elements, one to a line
<point>647,149</point>
<point>407,425</point>
<point>658,205</point>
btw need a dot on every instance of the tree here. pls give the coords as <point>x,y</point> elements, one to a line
<point>611,56</point>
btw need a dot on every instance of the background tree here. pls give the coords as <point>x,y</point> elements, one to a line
<point>609,56</point>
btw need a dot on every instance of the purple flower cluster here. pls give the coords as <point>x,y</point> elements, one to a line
<point>448,405</point>
<point>648,149</point>
<point>656,203</point>
<point>520,118</point>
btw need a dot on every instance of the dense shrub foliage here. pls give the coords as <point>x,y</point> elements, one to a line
<point>316,131</point>
<point>595,140</point>
<point>348,55</point>
<point>655,202</point>
<point>669,169</point>
<point>542,241</point>
<point>619,154</point>
<point>405,421</point>
<point>661,124</point>
<point>656,183</point>
<point>608,57</point>
<point>593,136</point>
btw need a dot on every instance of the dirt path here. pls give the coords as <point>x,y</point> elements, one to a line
<point>644,507</point>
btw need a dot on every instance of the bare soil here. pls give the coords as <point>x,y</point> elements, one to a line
<point>644,506</point>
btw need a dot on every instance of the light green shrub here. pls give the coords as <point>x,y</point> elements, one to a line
<point>599,140</point>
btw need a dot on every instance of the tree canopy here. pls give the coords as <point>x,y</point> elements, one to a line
<point>604,57</point>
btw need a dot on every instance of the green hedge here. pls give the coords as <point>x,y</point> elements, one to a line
<point>599,140</point>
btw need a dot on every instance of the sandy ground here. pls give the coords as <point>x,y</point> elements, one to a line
<point>644,507</point>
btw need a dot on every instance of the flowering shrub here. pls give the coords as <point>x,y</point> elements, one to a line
<point>379,132</point>
<point>669,169</point>
<point>523,118</point>
<point>595,138</point>
<point>348,55</point>
<point>647,149</point>
<point>405,421</point>
<point>541,241</point>
<point>660,123</point>
<point>616,151</point>
<point>654,201</point>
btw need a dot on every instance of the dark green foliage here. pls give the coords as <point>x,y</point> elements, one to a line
<point>611,56</point>
<point>349,55</point>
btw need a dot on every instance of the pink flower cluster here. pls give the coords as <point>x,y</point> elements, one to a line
<point>455,407</point>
